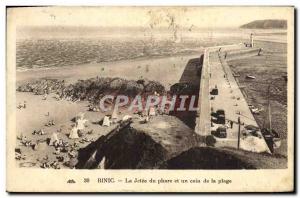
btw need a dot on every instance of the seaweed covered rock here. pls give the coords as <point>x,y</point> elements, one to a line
<point>93,89</point>
<point>183,89</point>
<point>154,86</point>
<point>117,83</point>
<point>43,86</point>
<point>126,87</point>
<point>132,88</point>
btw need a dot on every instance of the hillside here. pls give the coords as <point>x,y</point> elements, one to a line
<point>266,24</point>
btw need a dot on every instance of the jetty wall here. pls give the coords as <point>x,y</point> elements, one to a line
<point>236,51</point>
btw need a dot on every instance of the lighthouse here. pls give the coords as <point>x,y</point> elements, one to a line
<point>251,40</point>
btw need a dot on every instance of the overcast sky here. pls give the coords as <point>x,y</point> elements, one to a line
<point>203,17</point>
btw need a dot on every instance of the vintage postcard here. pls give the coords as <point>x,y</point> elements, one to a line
<point>150,99</point>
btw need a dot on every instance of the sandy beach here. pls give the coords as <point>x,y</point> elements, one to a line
<point>39,112</point>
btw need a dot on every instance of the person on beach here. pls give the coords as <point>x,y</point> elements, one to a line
<point>45,96</point>
<point>19,106</point>
<point>231,124</point>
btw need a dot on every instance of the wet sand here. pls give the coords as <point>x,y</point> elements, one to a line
<point>166,70</point>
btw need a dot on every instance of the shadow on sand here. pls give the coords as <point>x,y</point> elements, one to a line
<point>189,84</point>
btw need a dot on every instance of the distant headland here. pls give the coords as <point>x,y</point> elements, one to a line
<point>266,24</point>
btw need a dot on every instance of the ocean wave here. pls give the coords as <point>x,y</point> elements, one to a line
<point>35,54</point>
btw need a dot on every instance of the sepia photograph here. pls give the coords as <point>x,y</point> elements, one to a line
<point>141,93</point>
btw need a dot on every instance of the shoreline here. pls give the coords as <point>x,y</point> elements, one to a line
<point>132,69</point>
<point>140,58</point>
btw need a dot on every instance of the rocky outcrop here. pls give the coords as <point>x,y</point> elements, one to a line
<point>93,89</point>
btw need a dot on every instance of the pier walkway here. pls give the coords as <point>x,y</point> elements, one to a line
<point>216,73</point>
